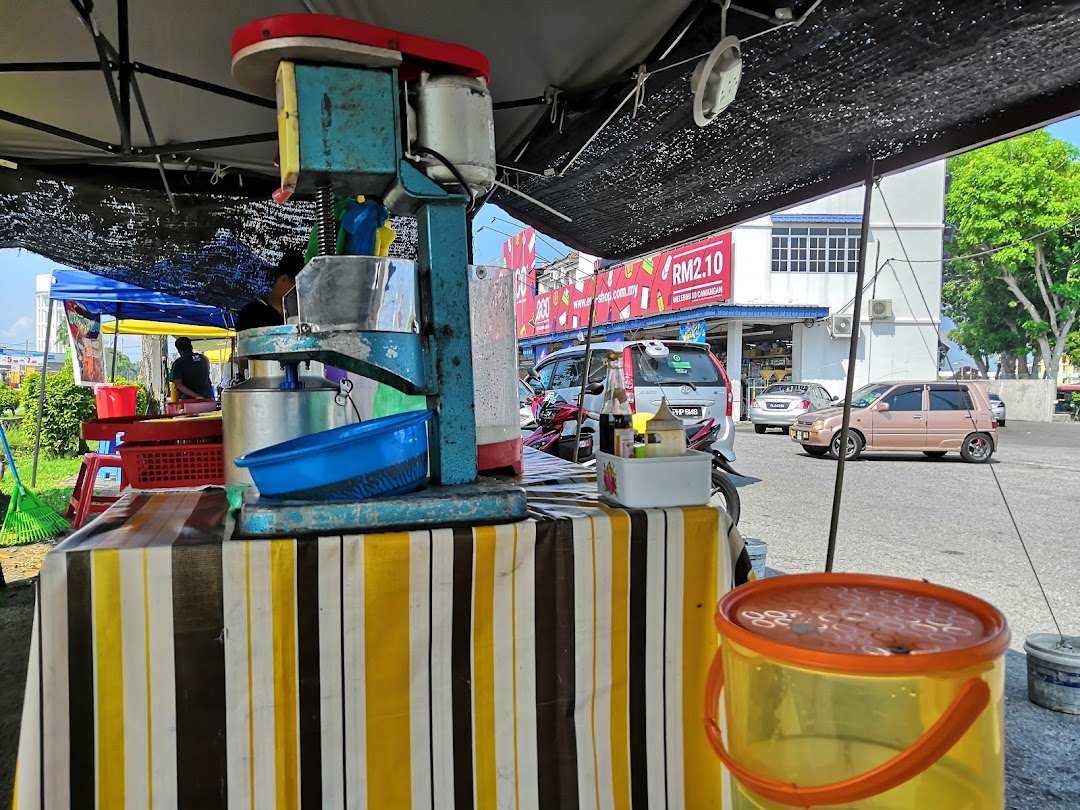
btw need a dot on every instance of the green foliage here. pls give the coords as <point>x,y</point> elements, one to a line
<point>1072,348</point>
<point>1021,196</point>
<point>28,392</point>
<point>126,370</point>
<point>9,399</point>
<point>67,405</point>
<point>21,441</point>
<point>52,472</point>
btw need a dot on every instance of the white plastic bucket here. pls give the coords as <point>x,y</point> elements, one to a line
<point>755,549</point>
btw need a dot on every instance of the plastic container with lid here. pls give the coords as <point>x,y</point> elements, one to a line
<point>859,691</point>
<point>495,381</point>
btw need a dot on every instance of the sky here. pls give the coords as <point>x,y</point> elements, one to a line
<point>491,228</point>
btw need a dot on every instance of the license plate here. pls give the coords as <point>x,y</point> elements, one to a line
<point>776,405</point>
<point>686,411</point>
<point>800,435</point>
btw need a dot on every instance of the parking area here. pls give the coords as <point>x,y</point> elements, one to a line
<point>945,521</point>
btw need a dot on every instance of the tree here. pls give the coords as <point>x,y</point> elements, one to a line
<point>986,318</point>
<point>67,406</point>
<point>1072,348</point>
<point>29,389</point>
<point>1017,205</point>
<point>125,367</point>
<point>9,399</point>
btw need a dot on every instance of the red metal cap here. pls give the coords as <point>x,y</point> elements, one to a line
<point>862,623</point>
<point>419,53</point>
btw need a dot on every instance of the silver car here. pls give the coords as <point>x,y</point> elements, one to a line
<point>997,407</point>
<point>781,404</point>
<point>687,374</point>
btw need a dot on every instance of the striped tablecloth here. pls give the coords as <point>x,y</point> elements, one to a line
<point>559,662</point>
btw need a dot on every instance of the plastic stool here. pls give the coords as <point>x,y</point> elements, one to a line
<point>108,448</point>
<point>84,501</point>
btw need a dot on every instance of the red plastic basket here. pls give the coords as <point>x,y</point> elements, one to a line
<point>171,466</point>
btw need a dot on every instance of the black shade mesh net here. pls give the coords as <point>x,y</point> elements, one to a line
<point>215,249</point>
<point>899,81</point>
<point>857,79</point>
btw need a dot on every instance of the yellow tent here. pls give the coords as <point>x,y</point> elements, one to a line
<point>136,327</point>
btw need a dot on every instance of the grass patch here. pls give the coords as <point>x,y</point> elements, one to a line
<point>51,472</point>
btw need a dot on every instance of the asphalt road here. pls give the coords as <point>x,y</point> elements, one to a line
<point>946,521</point>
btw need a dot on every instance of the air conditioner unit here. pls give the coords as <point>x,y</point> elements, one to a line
<point>840,326</point>
<point>880,308</point>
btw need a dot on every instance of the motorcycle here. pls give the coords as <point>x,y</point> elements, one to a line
<point>550,437</point>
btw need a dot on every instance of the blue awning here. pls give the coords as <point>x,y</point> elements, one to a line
<point>106,296</point>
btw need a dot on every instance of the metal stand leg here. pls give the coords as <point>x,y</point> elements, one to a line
<point>444,252</point>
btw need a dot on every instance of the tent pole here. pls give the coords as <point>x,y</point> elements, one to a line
<point>853,354</point>
<point>41,392</point>
<point>115,338</point>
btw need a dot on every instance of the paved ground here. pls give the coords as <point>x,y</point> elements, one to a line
<point>945,521</point>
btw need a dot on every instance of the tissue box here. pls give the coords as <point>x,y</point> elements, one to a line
<point>645,483</point>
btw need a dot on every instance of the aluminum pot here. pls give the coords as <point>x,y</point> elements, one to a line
<point>257,413</point>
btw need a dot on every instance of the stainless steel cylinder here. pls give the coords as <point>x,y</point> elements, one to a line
<point>257,414</point>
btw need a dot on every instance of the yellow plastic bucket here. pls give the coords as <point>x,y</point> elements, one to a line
<point>857,691</point>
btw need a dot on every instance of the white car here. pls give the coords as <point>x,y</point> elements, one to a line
<point>781,404</point>
<point>997,407</point>
<point>688,374</point>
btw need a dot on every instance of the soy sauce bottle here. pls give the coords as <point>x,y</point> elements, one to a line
<point>616,420</point>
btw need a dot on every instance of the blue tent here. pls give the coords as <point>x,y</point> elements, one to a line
<point>106,296</point>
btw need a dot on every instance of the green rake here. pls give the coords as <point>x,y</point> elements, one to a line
<point>28,520</point>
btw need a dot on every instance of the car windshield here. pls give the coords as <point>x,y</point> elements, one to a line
<point>680,365</point>
<point>784,388</point>
<point>868,395</point>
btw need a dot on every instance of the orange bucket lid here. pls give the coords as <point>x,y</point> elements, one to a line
<point>862,623</point>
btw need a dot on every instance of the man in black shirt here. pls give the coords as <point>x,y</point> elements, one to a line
<point>191,372</point>
<point>270,310</point>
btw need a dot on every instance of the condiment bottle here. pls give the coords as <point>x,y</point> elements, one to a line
<point>664,434</point>
<point>616,425</point>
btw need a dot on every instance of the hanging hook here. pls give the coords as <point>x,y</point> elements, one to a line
<point>639,89</point>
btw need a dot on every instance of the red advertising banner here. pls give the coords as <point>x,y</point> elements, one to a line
<point>693,275</point>
<point>519,253</point>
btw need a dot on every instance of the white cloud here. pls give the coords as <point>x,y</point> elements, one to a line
<point>22,328</point>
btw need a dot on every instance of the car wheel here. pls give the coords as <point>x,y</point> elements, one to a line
<point>726,495</point>
<point>855,446</point>
<point>760,428</point>
<point>1001,423</point>
<point>814,450</point>
<point>934,453</point>
<point>977,448</point>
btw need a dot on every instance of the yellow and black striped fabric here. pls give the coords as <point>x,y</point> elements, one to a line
<point>559,662</point>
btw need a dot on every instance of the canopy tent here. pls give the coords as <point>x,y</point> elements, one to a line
<point>107,296</point>
<point>167,329</point>
<point>592,118</point>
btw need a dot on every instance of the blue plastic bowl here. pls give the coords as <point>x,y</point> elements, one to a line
<point>385,456</point>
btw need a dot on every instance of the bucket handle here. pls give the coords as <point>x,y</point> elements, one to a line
<point>970,701</point>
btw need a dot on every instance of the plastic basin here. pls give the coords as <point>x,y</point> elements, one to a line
<point>196,406</point>
<point>386,456</point>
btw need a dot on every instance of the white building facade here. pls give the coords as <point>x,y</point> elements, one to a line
<point>42,284</point>
<point>806,257</point>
